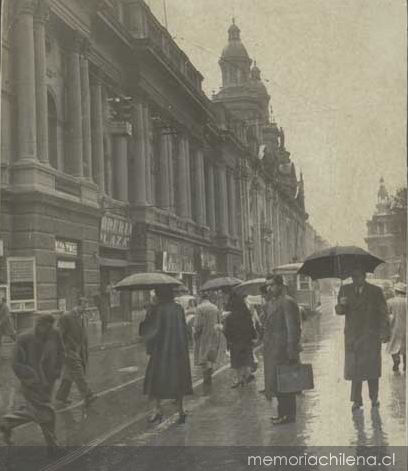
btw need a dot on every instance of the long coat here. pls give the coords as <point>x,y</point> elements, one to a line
<point>6,326</point>
<point>366,325</point>
<point>239,331</point>
<point>281,338</point>
<point>206,336</point>
<point>397,307</point>
<point>168,373</point>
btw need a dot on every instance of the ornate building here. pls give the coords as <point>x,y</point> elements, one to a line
<point>113,159</point>
<point>384,236</point>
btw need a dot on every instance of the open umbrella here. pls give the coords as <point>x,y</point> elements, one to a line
<point>220,283</point>
<point>142,281</point>
<point>337,262</point>
<point>250,287</point>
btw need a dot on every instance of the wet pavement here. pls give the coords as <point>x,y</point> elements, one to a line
<point>228,417</point>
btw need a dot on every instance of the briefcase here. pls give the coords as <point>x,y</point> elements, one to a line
<point>294,378</point>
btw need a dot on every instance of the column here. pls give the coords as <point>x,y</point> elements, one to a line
<point>75,109</point>
<point>199,188</point>
<point>164,170</point>
<point>108,165</point>
<point>40,82</point>
<point>139,178</point>
<point>98,163</point>
<point>222,199</point>
<point>171,176</point>
<point>188,178</point>
<point>25,82</point>
<point>211,196</point>
<point>183,179</point>
<point>148,152</point>
<point>232,207</point>
<point>120,146</point>
<point>86,112</point>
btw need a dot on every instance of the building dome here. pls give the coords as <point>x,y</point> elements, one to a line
<point>256,81</point>
<point>234,49</point>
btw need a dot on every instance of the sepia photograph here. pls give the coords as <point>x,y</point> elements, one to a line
<point>203,235</point>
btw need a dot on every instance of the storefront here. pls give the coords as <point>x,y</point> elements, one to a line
<point>115,234</point>
<point>208,265</point>
<point>181,266</point>
<point>69,274</point>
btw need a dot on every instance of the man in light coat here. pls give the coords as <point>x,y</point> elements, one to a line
<point>366,327</point>
<point>397,307</point>
<point>207,337</point>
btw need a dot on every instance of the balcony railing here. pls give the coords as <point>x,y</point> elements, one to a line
<point>143,25</point>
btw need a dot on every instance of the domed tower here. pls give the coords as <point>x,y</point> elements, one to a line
<point>234,62</point>
<point>259,90</point>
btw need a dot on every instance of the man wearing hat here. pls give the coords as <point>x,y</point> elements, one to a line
<point>397,307</point>
<point>366,327</point>
<point>281,344</point>
<point>73,328</point>
<point>37,363</point>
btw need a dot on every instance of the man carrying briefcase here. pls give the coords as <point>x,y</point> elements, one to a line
<point>281,345</point>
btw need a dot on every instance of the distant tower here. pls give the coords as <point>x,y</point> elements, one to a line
<point>383,198</point>
<point>234,62</point>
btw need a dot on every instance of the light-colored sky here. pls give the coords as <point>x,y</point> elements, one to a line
<point>336,73</point>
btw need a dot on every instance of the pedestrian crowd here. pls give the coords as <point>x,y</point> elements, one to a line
<point>223,320</point>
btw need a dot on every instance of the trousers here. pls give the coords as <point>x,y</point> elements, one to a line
<point>74,372</point>
<point>356,390</point>
<point>286,405</point>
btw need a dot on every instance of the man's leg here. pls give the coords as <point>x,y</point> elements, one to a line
<point>65,388</point>
<point>396,360</point>
<point>356,396</point>
<point>373,388</point>
<point>78,376</point>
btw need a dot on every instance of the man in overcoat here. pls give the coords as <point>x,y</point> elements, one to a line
<point>6,325</point>
<point>73,328</point>
<point>281,343</point>
<point>366,327</point>
<point>397,307</point>
<point>37,363</point>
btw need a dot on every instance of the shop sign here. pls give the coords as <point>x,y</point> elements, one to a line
<point>115,232</point>
<point>175,263</point>
<point>66,247</point>
<point>22,283</point>
<point>208,261</point>
<point>66,264</point>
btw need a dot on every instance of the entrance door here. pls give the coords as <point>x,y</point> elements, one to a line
<point>68,288</point>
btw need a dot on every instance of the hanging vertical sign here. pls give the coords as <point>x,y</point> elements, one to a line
<point>22,283</point>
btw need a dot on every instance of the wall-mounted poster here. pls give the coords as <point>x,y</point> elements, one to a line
<point>22,284</point>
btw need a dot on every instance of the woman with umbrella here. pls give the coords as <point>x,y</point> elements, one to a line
<point>240,333</point>
<point>168,373</point>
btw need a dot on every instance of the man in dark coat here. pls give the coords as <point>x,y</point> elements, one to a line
<point>73,328</point>
<point>366,327</point>
<point>6,325</point>
<point>281,343</point>
<point>37,363</point>
<point>168,373</point>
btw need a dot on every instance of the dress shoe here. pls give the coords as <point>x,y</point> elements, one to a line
<point>156,417</point>
<point>375,404</point>
<point>250,378</point>
<point>356,406</point>
<point>237,384</point>
<point>181,419</point>
<point>395,367</point>
<point>285,419</point>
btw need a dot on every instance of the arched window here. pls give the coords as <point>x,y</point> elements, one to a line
<point>52,131</point>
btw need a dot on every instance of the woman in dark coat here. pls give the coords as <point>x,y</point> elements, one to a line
<point>240,332</point>
<point>168,373</point>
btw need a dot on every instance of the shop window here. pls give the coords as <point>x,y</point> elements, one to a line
<point>52,131</point>
<point>303,283</point>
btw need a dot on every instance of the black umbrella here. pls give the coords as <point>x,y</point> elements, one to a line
<point>142,281</point>
<point>220,283</point>
<point>338,262</point>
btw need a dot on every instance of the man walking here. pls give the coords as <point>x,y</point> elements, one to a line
<point>397,307</point>
<point>73,330</point>
<point>37,363</point>
<point>207,338</point>
<point>6,325</point>
<point>366,327</point>
<point>281,344</point>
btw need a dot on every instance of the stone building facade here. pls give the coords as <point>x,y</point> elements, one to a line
<point>113,159</point>
<point>384,237</point>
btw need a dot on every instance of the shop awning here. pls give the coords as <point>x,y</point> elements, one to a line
<point>113,262</point>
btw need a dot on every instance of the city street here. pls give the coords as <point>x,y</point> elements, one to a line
<point>227,417</point>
